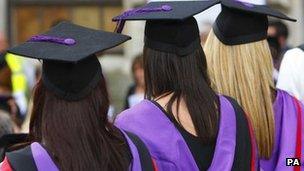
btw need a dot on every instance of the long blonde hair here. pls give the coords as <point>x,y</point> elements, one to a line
<point>244,72</point>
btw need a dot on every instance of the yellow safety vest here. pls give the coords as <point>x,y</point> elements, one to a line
<point>19,81</point>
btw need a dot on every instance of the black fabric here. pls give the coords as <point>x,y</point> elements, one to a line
<point>22,160</point>
<point>144,154</point>
<point>88,42</point>
<point>72,81</point>
<point>181,10</point>
<point>178,37</point>
<point>9,140</point>
<point>241,22</point>
<point>70,71</point>
<point>12,139</point>
<point>202,153</point>
<point>130,92</point>
<point>243,150</point>
<point>173,31</point>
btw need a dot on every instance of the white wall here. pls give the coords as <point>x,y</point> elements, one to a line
<point>2,15</point>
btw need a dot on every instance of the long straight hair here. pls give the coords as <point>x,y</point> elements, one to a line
<point>78,134</point>
<point>244,72</point>
<point>185,77</point>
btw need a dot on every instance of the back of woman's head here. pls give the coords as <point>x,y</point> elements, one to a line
<point>245,73</point>
<point>185,77</point>
<point>77,133</point>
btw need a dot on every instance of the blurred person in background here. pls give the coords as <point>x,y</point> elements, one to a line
<point>6,127</point>
<point>26,124</point>
<point>291,78</point>
<point>277,29</point>
<point>136,92</point>
<point>7,101</point>
<point>8,134</point>
<point>275,50</point>
<point>18,76</point>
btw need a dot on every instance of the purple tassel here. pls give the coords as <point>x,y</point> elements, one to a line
<point>53,39</point>
<point>120,22</point>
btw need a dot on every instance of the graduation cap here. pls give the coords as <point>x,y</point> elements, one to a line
<point>70,69</point>
<point>242,22</point>
<point>170,25</point>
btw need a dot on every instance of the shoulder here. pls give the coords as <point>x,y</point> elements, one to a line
<point>284,94</point>
<point>5,165</point>
<point>21,158</point>
<point>293,55</point>
<point>237,107</point>
<point>136,113</point>
<point>294,52</point>
<point>241,117</point>
<point>26,151</point>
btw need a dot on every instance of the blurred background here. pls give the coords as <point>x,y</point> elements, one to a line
<point>20,19</point>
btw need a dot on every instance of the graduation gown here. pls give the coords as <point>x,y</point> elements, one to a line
<point>169,149</point>
<point>289,131</point>
<point>36,158</point>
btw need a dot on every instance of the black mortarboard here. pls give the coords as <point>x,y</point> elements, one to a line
<point>241,22</point>
<point>70,68</point>
<point>170,25</point>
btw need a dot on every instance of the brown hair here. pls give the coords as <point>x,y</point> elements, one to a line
<point>78,133</point>
<point>186,79</point>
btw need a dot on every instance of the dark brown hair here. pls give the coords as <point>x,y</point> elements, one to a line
<point>185,77</point>
<point>78,133</point>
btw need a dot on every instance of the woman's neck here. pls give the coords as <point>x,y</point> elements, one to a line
<point>179,111</point>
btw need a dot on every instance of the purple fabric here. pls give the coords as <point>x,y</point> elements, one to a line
<point>226,141</point>
<point>285,134</point>
<point>42,159</point>
<point>44,162</point>
<point>135,164</point>
<point>247,4</point>
<point>163,8</point>
<point>167,145</point>
<point>120,19</point>
<point>53,39</point>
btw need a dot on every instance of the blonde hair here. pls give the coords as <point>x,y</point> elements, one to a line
<point>244,72</point>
